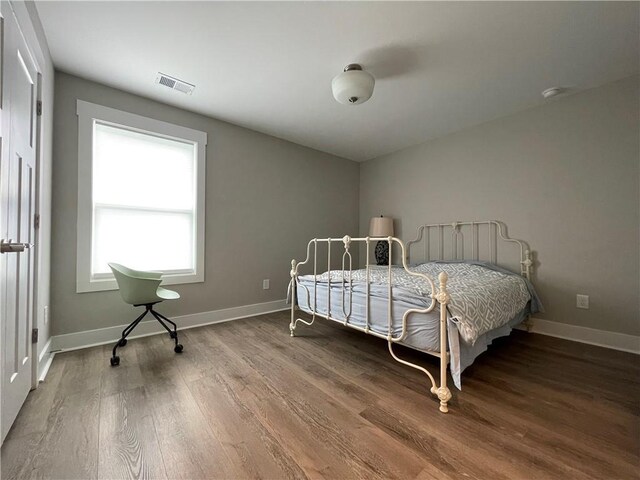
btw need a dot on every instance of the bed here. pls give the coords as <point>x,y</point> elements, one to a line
<point>450,303</point>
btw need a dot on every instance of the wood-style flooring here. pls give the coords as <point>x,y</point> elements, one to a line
<point>245,400</point>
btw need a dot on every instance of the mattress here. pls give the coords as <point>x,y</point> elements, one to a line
<point>486,303</point>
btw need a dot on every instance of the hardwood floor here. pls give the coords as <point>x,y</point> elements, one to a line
<point>245,400</point>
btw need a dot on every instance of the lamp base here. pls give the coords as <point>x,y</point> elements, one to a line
<point>382,252</point>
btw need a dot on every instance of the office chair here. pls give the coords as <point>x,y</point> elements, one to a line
<point>142,289</point>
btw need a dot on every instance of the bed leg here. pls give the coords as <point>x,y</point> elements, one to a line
<point>443,393</point>
<point>292,325</point>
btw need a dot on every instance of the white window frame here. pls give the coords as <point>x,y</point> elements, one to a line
<point>88,114</point>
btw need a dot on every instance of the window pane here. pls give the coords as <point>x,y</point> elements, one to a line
<point>142,240</point>
<point>138,169</point>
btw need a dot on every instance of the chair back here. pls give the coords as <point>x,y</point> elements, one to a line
<point>136,287</point>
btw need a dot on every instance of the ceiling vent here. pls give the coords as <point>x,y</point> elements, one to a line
<point>175,84</point>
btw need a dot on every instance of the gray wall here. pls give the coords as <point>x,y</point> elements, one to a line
<point>265,199</point>
<point>564,176</point>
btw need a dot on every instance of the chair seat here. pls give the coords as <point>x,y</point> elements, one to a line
<point>167,294</point>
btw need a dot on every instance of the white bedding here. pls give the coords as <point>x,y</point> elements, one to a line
<point>481,299</point>
<point>486,302</point>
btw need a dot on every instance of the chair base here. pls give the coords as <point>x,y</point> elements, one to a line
<point>115,359</point>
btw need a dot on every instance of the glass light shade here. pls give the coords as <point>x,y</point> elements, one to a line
<point>353,87</point>
<point>381,227</point>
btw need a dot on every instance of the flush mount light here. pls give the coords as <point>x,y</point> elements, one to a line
<point>552,92</point>
<point>353,86</point>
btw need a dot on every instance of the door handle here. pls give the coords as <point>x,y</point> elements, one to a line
<point>15,247</point>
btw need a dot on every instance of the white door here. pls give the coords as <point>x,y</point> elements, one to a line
<point>17,206</point>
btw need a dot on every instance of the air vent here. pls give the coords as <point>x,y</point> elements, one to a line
<point>174,83</point>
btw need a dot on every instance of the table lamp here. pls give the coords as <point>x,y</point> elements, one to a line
<point>381,227</point>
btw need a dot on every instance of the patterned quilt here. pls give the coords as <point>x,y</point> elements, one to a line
<point>482,299</point>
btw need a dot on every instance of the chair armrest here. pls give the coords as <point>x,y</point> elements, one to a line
<point>137,274</point>
<point>138,291</point>
<point>145,275</point>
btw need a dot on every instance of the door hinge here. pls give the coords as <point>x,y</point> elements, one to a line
<point>39,107</point>
<point>36,221</point>
<point>34,335</point>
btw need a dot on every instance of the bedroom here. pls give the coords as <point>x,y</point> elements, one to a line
<point>456,130</point>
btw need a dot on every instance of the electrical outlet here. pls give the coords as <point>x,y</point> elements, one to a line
<point>46,314</point>
<point>582,301</point>
<point>265,284</point>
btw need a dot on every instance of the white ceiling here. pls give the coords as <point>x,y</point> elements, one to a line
<point>439,67</point>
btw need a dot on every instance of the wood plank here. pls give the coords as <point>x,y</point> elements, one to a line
<point>128,375</point>
<point>189,448</point>
<point>83,371</point>
<point>303,429</point>
<point>69,447</point>
<point>128,443</point>
<point>251,448</point>
<point>36,412</point>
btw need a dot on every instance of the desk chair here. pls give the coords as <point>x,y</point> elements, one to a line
<point>142,289</point>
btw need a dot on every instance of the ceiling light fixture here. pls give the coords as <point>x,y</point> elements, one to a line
<point>353,86</point>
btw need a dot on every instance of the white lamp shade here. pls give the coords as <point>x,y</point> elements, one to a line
<point>353,87</point>
<point>381,227</point>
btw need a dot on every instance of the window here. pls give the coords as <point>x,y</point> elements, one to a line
<point>140,197</point>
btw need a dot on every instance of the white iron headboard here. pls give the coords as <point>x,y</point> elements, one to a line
<point>467,241</point>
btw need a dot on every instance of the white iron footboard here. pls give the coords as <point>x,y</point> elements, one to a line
<point>439,296</point>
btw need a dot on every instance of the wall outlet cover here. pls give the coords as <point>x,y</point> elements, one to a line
<point>582,301</point>
<point>265,284</point>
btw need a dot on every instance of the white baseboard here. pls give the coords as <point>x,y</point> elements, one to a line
<point>592,336</point>
<point>44,360</point>
<point>102,336</point>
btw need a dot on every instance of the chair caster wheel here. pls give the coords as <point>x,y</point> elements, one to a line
<point>122,342</point>
<point>178,348</point>
<point>172,334</point>
<point>115,361</point>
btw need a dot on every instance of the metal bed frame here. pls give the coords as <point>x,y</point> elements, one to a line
<point>433,237</point>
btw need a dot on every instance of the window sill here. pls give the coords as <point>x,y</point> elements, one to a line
<point>106,284</point>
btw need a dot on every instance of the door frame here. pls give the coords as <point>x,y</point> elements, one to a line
<point>35,364</point>
<point>2,130</point>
